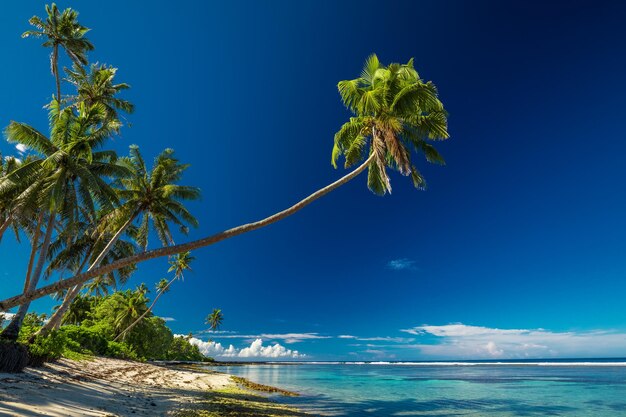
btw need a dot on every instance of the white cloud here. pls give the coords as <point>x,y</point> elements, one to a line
<point>256,350</point>
<point>378,338</point>
<point>7,316</point>
<point>476,342</point>
<point>286,337</point>
<point>168,318</point>
<point>21,148</point>
<point>401,264</point>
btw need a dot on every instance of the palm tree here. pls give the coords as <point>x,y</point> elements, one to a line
<point>179,264</point>
<point>214,320</point>
<point>70,174</point>
<point>61,29</point>
<point>133,306</point>
<point>395,111</point>
<point>152,195</point>
<point>98,86</point>
<point>8,164</point>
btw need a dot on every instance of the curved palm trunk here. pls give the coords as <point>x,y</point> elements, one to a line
<point>12,331</point>
<point>133,324</point>
<point>57,317</point>
<point>184,247</point>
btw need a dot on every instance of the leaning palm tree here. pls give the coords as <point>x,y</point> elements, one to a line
<point>61,29</point>
<point>180,263</point>
<point>214,320</point>
<point>395,112</point>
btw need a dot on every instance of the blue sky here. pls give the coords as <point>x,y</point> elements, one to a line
<point>518,243</point>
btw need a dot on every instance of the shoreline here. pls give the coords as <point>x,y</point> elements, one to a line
<point>114,388</point>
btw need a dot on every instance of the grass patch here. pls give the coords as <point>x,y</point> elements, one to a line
<point>263,388</point>
<point>75,356</point>
<point>238,402</point>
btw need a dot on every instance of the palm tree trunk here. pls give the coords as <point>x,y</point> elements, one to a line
<point>57,317</point>
<point>12,331</point>
<point>33,251</point>
<point>133,324</point>
<point>55,71</point>
<point>5,226</point>
<point>183,247</point>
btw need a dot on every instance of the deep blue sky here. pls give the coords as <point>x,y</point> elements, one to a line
<point>523,229</point>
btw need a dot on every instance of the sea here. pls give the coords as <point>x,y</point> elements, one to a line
<point>565,387</point>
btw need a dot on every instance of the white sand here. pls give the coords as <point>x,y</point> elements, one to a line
<point>102,387</point>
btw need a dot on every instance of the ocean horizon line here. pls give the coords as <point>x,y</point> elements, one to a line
<point>612,361</point>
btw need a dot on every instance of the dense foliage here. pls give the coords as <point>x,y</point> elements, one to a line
<point>96,321</point>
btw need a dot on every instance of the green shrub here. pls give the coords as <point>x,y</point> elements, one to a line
<point>121,351</point>
<point>88,340</point>
<point>47,348</point>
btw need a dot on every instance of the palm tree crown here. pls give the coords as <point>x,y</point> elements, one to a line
<point>214,320</point>
<point>395,112</point>
<point>155,196</point>
<point>61,30</point>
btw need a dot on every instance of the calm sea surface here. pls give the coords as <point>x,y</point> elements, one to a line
<point>557,388</point>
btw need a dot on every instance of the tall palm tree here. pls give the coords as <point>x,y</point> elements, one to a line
<point>69,174</point>
<point>61,29</point>
<point>179,264</point>
<point>214,320</point>
<point>395,112</point>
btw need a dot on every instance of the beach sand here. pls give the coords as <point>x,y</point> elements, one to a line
<point>111,387</point>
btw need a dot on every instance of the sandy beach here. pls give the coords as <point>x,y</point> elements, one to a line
<point>111,387</point>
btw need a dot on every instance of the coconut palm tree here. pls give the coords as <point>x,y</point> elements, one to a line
<point>133,306</point>
<point>61,29</point>
<point>98,86</point>
<point>155,197</point>
<point>395,112</point>
<point>214,320</point>
<point>69,174</point>
<point>179,264</point>
<point>8,164</point>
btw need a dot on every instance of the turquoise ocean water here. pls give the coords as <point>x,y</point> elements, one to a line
<point>548,388</point>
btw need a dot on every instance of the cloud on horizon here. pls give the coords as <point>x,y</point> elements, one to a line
<point>456,341</point>
<point>402,264</point>
<point>256,350</point>
<point>286,337</point>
